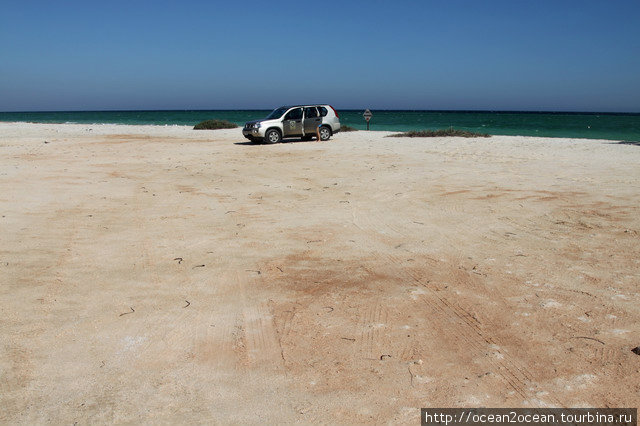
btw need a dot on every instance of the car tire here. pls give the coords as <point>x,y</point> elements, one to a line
<point>272,136</point>
<point>325,133</point>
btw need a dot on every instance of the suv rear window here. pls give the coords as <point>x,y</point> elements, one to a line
<point>323,111</point>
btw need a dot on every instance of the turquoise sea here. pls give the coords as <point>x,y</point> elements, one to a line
<point>613,126</point>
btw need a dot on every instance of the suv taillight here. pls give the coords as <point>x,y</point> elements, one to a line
<point>334,111</point>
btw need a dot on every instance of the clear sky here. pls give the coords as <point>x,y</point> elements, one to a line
<point>558,55</point>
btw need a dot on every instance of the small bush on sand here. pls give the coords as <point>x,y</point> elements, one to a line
<point>215,124</point>
<point>345,128</point>
<point>439,133</point>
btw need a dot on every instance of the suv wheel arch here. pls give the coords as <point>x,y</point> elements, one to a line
<point>328,127</point>
<point>266,135</point>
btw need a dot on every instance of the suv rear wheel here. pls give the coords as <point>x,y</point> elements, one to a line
<point>272,136</point>
<point>325,133</point>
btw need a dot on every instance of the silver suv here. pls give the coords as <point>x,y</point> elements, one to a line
<point>300,121</point>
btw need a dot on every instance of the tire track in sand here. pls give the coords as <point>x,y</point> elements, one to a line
<point>451,316</point>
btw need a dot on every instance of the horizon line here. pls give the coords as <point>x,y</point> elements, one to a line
<point>340,109</point>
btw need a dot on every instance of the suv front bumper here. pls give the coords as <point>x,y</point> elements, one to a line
<point>252,133</point>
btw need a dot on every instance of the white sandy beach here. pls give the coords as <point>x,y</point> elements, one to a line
<point>162,274</point>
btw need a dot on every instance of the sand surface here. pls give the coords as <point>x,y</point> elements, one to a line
<point>161,274</point>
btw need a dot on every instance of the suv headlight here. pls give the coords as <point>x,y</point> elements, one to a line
<point>256,126</point>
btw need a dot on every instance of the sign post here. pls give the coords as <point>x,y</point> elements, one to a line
<point>367,116</point>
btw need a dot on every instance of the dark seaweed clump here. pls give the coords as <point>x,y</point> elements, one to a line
<point>439,133</point>
<point>215,124</point>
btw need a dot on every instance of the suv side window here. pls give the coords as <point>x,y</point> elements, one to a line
<point>323,111</point>
<point>310,112</point>
<point>294,114</point>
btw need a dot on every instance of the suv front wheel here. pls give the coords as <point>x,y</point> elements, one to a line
<point>325,133</point>
<point>272,136</point>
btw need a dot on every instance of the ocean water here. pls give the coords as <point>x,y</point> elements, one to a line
<point>613,126</point>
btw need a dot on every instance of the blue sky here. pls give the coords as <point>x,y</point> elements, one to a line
<point>556,55</point>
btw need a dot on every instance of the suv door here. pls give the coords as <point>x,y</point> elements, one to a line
<point>311,120</point>
<point>292,123</point>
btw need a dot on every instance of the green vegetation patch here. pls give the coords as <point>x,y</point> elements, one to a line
<point>215,124</point>
<point>345,128</point>
<point>439,133</point>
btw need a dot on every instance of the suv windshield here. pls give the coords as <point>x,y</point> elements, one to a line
<point>276,113</point>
